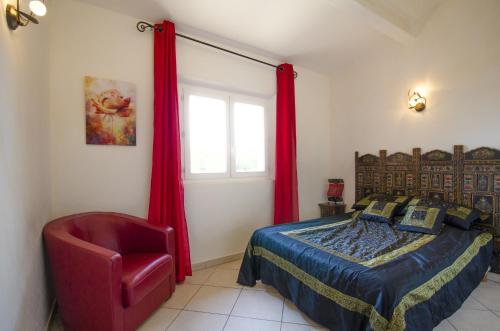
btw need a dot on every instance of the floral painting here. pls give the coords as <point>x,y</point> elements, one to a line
<point>110,112</point>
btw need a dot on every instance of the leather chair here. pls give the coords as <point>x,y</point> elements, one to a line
<point>110,271</point>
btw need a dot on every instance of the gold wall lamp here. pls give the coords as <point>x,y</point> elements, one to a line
<point>416,101</point>
<point>16,17</point>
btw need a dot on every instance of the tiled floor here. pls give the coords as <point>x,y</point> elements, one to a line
<point>211,300</point>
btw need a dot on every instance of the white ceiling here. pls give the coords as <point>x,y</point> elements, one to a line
<point>319,34</point>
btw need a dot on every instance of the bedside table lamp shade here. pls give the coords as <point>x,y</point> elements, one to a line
<point>335,189</point>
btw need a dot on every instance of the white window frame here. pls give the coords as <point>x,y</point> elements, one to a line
<point>230,99</point>
<point>187,155</point>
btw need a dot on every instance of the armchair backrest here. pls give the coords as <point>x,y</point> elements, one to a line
<point>99,229</point>
<point>108,230</point>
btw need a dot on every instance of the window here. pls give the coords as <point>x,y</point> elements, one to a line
<point>225,135</point>
<point>249,137</point>
<point>207,118</point>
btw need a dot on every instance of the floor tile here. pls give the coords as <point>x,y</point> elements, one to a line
<point>235,265</point>
<point>210,299</point>
<point>293,315</point>
<point>489,297</point>
<point>249,324</point>
<point>224,277</point>
<point>183,293</point>
<point>494,277</point>
<point>259,304</point>
<point>160,320</point>
<point>475,320</point>
<point>489,284</point>
<point>195,321</point>
<point>472,303</point>
<point>301,327</point>
<point>260,287</point>
<point>200,276</point>
<point>444,326</point>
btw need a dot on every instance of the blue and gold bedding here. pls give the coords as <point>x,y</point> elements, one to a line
<point>350,274</point>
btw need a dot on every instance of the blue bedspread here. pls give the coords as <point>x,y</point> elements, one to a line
<point>349,274</point>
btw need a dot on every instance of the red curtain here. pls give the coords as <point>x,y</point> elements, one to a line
<point>166,202</point>
<point>286,199</point>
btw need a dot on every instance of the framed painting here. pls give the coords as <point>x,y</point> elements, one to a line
<point>110,114</point>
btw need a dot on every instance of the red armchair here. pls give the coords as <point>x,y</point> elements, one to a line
<point>110,271</point>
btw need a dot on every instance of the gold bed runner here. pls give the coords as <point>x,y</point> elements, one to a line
<point>378,323</point>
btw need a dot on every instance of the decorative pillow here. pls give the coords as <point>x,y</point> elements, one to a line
<point>456,215</point>
<point>379,211</point>
<point>422,219</point>
<point>484,222</point>
<point>402,200</point>
<point>485,218</point>
<point>412,202</point>
<point>364,202</point>
<point>461,217</point>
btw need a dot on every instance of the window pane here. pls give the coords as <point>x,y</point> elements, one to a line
<point>249,138</point>
<point>207,135</point>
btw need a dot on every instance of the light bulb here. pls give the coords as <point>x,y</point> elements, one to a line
<point>413,100</point>
<point>38,7</point>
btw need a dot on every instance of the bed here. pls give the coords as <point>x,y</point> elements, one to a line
<point>351,274</point>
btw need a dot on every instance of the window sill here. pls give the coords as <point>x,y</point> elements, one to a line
<point>228,180</point>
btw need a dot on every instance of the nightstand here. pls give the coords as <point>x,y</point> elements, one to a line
<point>329,209</point>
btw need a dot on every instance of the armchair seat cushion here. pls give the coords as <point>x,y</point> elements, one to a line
<point>142,273</point>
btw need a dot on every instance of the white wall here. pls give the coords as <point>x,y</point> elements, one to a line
<point>221,214</point>
<point>24,174</point>
<point>457,56</point>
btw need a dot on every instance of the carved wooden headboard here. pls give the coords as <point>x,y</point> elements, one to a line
<point>468,178</point>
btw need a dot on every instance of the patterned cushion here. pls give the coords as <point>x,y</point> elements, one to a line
<point>402,200</point>
<point>364,202</point>
<point>456,215</point>
<point>461,217</point>
<point>379,211</point>
<point>412,202</point>
<point>485,218</point>
<point>422,219</point>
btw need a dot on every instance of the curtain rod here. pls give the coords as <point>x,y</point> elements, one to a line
<point>143,26</point>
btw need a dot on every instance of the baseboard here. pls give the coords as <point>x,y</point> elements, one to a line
<point>51,315</point>
<point>217,261</point>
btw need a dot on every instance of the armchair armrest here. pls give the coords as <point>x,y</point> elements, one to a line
<point>88,281</point>
<point>137,236</point>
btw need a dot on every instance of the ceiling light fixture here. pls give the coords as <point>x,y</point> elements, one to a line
<point>16,17</point>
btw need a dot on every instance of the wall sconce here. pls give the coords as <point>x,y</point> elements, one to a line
<point>416,101</point>
<point>16,17</point>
